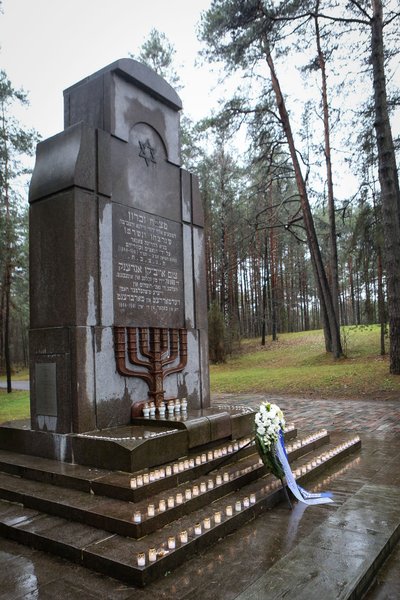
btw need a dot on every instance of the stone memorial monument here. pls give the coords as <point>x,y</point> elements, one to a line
<point>119,320</point>
<point>117,269</point>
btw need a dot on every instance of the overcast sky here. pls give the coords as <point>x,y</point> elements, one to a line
<point>47,45</point>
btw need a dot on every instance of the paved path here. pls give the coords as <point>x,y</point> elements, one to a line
<point>375,416</point>
<point>16,385</point>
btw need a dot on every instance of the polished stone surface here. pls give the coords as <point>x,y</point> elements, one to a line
<point>235,563</point>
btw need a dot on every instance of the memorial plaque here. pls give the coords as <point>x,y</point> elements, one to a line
<point>46,389</point>
<point>148,269</point>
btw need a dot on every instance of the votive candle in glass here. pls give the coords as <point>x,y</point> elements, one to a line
<point>210,484</point>
<point>171,502</point>
<point>207,523</point>
<point>162,505</point>
<point>197,529</point>
<point>152,554</point>
<point>133,483</point>
<point>238,506</point>
<point>218,479</point>
<point>171,542</point>
<point>139,480</point>
<point>198,460</point>
<point>252,498</point>
<point>226,476</point>
<point>195,490</point>
<point>188,494</point>
<point>210,455</point>
<point>151,510</point>
<point>183,536</point>
<point>229,510</point>
<point>168,470</point>
<point>179,498</point>
<point>246,502</point>
<point>217,517</point>
<point>137,516</point>
<point>141,559</point>
<point>203,487</point>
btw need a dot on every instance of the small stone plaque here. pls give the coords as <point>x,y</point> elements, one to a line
<point>46,389</point>
<point>148,269</point>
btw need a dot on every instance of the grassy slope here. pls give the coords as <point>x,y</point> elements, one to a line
<point>297,364</point>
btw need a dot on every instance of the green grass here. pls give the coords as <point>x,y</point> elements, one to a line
<point>297,364</point>
<point>14,406</point>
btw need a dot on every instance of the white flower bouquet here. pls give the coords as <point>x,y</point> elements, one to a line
<point>269,423</point>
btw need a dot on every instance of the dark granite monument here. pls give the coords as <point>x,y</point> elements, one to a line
<point>117,269</point>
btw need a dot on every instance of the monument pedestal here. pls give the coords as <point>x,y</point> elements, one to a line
<point>142,444</point>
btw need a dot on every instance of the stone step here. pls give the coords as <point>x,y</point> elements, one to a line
<point>117,484</point>
<point>133,518</point>
<point>113,554</point>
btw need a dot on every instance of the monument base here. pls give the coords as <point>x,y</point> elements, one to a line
<point>145,443</point>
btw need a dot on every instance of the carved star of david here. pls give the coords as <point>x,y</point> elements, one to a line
<point>147,152</point>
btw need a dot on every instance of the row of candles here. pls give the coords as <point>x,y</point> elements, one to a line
<point>230,509</point>
<point>313,437</point>
<point>184,465</point>
<point>197,529</point>
<point>181,497</point>
<point>318,460</point>
<point>173,406</point>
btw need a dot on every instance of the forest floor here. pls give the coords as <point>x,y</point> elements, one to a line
<point>296,365</point>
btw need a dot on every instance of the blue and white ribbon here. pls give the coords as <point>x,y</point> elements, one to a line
<point>299,493</point>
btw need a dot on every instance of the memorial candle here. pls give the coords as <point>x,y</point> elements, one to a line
<point>152,554</point>
<point>183,536</point>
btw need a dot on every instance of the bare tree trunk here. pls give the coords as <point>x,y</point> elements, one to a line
<point>381,303</point>
<point>333,256</point>
<point>389,184</point>
<point>331,326</point>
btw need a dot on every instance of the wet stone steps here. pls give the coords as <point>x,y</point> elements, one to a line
<point>189,532</point>
<point>143,517</point>
<point>117,484</point>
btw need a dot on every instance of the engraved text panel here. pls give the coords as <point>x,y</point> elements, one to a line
<point>147,266</point>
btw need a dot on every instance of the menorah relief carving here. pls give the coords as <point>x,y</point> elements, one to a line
<point>146,352</point>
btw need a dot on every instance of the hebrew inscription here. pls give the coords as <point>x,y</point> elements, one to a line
<point>147,264</point>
